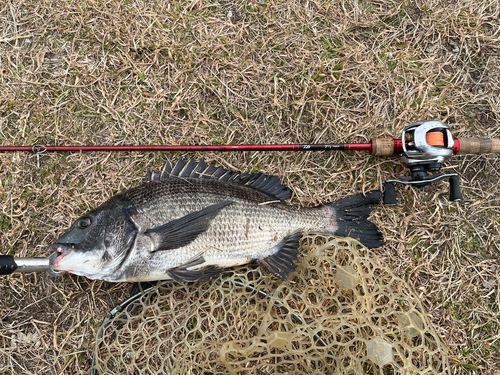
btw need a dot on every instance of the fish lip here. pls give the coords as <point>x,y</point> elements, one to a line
<point>57,247</point>
<point>51,270</point>
<point>58,252</point>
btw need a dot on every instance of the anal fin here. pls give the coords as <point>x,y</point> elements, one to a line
<point>281,262</point>
<point>181,273</point>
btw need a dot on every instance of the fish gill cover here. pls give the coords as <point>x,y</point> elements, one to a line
<point>341,312</point>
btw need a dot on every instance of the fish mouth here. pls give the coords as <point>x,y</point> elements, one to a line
<point>58,252</point>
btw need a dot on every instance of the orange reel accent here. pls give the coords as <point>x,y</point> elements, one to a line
<point>435,139</point>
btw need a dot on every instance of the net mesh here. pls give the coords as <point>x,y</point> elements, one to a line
<point>340,312</point>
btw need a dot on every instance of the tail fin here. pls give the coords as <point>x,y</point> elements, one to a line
<point>351,215</point>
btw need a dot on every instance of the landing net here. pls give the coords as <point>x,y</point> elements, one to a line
<point>340,312</point>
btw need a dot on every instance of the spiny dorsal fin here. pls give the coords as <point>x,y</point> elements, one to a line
<point>192,169</point>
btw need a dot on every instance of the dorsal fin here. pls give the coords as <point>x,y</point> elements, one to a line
<point>192,169</point>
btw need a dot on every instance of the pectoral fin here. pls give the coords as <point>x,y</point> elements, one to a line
<point>182,273</point>
<point>181,232</point>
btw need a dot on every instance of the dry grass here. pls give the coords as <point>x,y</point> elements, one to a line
<point>144,72</point>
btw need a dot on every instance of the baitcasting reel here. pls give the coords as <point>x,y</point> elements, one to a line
<point>426,146</point>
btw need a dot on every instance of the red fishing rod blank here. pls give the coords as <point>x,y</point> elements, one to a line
<point>376,147</point>
<point>268,147</point>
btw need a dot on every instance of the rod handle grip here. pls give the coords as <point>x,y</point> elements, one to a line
<point>478,146</point>
<point>383,147</point>
<point>7,264</point>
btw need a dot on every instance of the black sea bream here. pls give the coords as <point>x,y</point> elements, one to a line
<point>190,221</point>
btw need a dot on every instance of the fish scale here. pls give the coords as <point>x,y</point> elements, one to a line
<point>227,237</point>
<point>190,221</point>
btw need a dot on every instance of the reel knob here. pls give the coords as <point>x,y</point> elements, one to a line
<point>455,194</point>
<point>390,194</point>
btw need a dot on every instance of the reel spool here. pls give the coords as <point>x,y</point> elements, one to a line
<point>426,146</point>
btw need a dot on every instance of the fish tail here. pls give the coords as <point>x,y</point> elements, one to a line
<point>350,218</point>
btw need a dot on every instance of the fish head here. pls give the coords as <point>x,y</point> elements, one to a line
<point>96,243</point>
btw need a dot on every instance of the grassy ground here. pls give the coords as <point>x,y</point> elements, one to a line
<point>201,72</point>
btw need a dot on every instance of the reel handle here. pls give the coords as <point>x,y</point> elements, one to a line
<point>477,146</point>
<point>390,191</point>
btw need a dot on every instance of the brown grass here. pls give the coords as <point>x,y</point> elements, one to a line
<point>200,72</point>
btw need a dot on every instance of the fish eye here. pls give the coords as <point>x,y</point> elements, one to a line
<point>84,223</point>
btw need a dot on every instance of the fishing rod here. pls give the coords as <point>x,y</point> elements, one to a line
<point>376,147</point>
<point>423,147</point>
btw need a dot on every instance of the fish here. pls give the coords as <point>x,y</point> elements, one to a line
<point>190,221</point>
